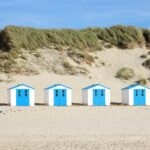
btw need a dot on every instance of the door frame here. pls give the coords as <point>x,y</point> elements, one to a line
<point>17,97</point>
<point>60,97</point>
<point>139,100</point>
<point>101,98</point>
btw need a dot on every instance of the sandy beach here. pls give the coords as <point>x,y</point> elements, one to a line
<point>76,127</point>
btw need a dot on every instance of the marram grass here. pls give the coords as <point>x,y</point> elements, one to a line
<point>13,37</point>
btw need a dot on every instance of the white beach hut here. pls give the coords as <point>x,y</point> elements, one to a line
<point>21,95</point>
<point>96,95</point>
<point>136,95</point>
<point>58,95</point>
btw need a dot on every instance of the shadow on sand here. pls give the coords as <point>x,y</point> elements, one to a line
<point>117,104</point>
<point>40,104</point>
<point>4,104</point>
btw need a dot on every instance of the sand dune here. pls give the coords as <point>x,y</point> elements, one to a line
<point>114,59</point>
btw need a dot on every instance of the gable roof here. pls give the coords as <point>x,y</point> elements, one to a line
<point>134,85</point>
<point>21,85</point>
<point>93,85</point>
<point>55,85</point>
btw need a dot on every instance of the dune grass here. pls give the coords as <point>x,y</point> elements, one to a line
<point>146,34</point>
<point>13,37</point>
<point>32,39</point>
<point>146,63</point>
<point>121,36</point>
<point>125,73</point>
<point>142,81</point>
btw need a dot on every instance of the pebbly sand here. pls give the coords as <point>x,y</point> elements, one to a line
<point>76,127</point>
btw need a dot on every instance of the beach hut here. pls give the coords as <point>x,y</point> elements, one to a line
<point>21,95</point>
<point>136,95</point>
<point>96,95</point>
<point>58,95</point>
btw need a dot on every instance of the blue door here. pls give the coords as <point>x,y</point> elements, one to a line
<point>60,97</point>
<point>56,97</point>
<point>143,97</point>
<point>63,97</point>
<point>22,97</point>
<point>99,97</point>
<point>139,97</point>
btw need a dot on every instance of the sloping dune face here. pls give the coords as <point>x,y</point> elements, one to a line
<point>103,71</point>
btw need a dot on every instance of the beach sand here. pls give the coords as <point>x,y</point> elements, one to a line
<point>76,127</point>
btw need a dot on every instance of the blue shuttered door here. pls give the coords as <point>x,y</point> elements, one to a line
<point>139,97</point>
<point>22,97</point>
<point>99,97</point>
<point>60,97</point>
<point>56,97</point>
<point>143,97</point>
<point>63,97</point>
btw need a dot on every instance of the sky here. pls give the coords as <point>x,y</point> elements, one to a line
<point>74,13</point>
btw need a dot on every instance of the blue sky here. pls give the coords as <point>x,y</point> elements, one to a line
<point>74,13</point>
